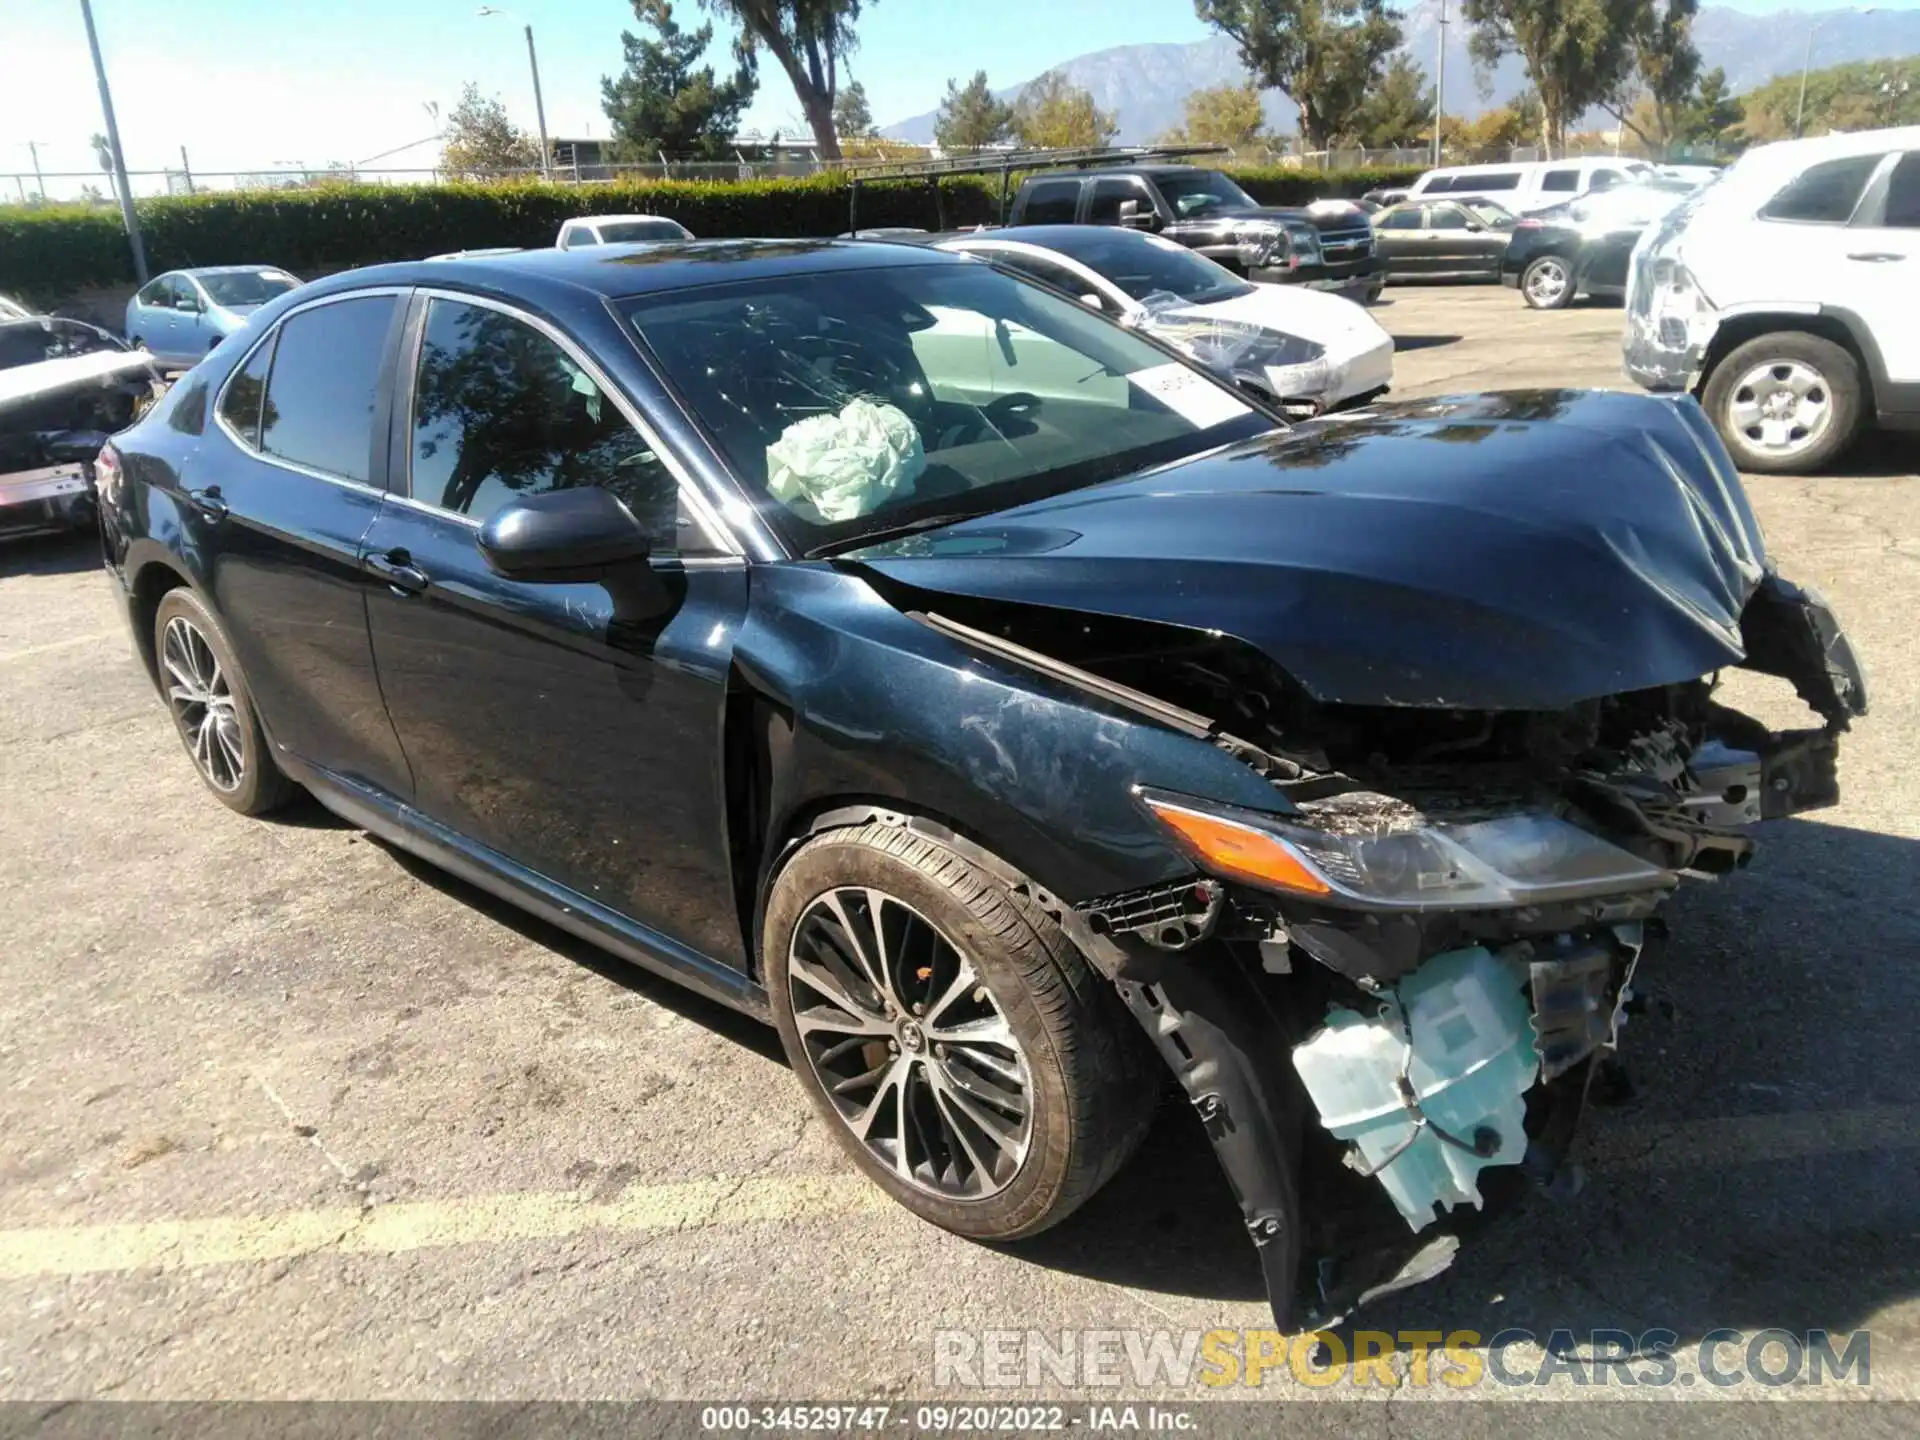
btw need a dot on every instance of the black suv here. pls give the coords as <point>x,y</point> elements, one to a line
<point>1328,247</point>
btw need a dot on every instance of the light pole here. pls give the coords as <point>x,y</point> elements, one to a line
<point>1440,81</point>
<point>39,180</point>
<point>120,182</point>
<point>1806,63</point>
<point>533,63</point>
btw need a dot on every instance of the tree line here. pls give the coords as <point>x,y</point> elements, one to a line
<point>1339,61</point>
<point>1335,60</point>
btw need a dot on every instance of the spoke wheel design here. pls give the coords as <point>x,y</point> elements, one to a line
<point>1781,408</point>
<point>1546,282</point>
<point>202,704</point>
<point>909,1044</point>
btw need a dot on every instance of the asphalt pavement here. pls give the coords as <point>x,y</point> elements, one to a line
<point>286,1114</point>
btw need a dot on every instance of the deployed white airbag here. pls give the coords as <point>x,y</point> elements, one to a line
<point>838,467</point>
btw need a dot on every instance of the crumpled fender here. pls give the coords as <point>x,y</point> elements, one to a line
<point>1790,631</point>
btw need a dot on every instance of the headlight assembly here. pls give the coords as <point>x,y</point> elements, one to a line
<point>1526,858</point>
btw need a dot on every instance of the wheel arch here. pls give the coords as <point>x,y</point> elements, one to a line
<point>150,577</point>
<point>850,812</point>
<point>1835,324</point>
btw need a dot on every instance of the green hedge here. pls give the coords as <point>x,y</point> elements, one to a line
<point>1278,186</point>
<point>49,253</point>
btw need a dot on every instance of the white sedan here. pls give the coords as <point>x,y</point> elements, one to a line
<point>1308,350</point>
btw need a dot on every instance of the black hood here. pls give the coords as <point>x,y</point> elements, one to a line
<point>1519,551</point>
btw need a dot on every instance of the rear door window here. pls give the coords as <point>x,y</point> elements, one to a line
<point>1566,178</point>
<point>324,386</point>
<point>1048,273</point>
<point>158,295</point>
<point>1492,180</point>
<point>240,403</point>
<point>1903,193</point>
<point>1401,220</point>
<point>1823,194</point>
<point>1051,202</point>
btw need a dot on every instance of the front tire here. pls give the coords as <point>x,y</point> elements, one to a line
<point>212,708</point>
<point>1786,403</point>
<point>949,1033</point>
<point>1547,283</point>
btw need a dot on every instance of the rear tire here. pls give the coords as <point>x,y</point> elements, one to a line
<point>1547,283</point>
<point>1786,403</point>
<point>212,708</point>
<point>983,995</point>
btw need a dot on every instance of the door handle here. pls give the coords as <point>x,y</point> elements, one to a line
<point>1876,256</point>
<point>209,503</point>
<point>396,567</point>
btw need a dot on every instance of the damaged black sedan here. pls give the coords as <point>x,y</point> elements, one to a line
<point>907,655</point>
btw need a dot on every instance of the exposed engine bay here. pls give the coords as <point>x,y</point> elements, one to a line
<point>1438,929</point>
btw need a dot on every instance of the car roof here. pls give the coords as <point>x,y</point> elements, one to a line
<point>616,219</point>
<point>1794,154</point>
<point>621,270</point>
<point>198,270</point>
<point>1099,170</point>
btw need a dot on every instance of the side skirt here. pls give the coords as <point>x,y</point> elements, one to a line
<point>381,814</point>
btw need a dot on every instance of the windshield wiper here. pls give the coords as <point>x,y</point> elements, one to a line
<point>891,532</point>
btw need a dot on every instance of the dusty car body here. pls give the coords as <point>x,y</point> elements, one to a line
<point>1345,768</point>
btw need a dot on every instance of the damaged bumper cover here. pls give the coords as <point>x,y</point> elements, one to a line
<point>1472,973</point>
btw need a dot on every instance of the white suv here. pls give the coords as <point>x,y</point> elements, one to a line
<point>1786,295</point>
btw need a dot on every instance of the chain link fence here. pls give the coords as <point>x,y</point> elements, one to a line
<point>571,168</point>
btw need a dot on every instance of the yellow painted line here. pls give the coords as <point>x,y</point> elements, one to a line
<point>52,645</point>
<point>424,1225</point>
<point>702,1204</point>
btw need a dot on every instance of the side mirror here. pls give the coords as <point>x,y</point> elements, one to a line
<point>563,535</point>
<point>1134,216</point>
<point>189,305</point>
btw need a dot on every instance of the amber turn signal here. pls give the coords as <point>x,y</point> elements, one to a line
<point>1239,852</point>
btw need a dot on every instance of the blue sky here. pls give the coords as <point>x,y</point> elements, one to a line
<point>243,84</point>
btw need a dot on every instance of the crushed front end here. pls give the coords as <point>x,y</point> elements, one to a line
<point>1390,997</point>
<point>1469,649</point>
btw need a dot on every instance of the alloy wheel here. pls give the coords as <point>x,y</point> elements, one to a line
<point>909,1045</point>
<point>1780,408</point>
<point>202,704</point>
<point>1546,281</point>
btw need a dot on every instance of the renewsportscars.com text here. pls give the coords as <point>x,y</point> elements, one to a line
<point>1460,1359</point>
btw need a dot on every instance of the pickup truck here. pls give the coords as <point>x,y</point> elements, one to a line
<point>1326,246</point>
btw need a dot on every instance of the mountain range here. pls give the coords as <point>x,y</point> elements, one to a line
<point>1145,86</point>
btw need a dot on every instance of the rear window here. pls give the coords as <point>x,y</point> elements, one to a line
<point>1823,194</point>
<point>627,231</point>
<point>319,404</point>
<point>1051,203</point>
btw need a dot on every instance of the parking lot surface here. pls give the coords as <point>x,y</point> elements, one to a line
<point>286,1114</point>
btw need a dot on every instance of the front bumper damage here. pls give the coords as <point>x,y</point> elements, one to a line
<point>1375,1083</point>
